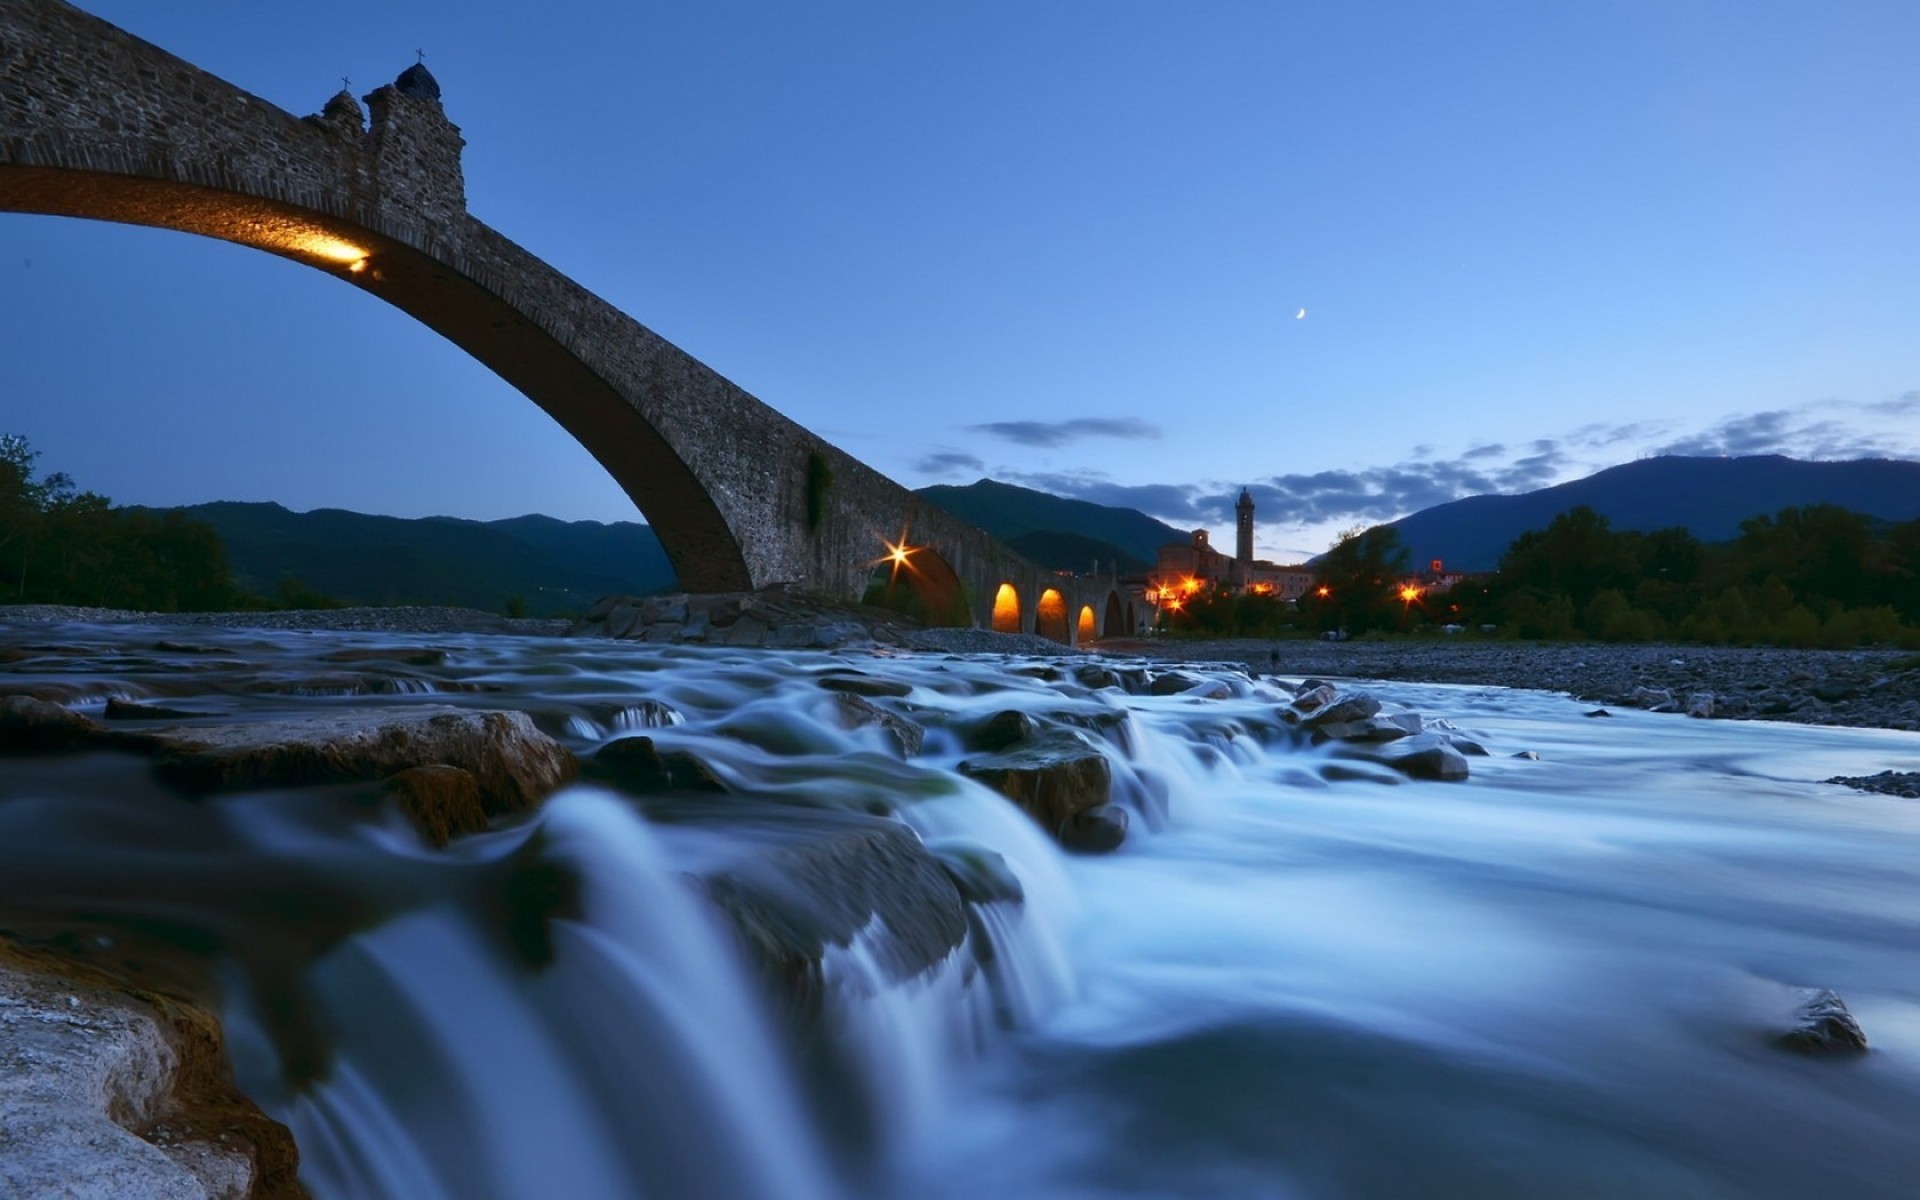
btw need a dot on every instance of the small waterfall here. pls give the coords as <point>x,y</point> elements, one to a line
<point>637,1062</point>
<point>1304,973</point>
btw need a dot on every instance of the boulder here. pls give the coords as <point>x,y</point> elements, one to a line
<point>1323,706</point>
<point>1378,728</point>
<point>982,875</point>
<point>828,879</point>
<point>1424,756</point>
<point>441,802</point>
<point>1652,699</point>
<point>1003,729</point>
<point>30,726</point>
<point>1821,1026</point>
<point>515,765</point>
<point>1052,778</point>
<point>857,712</point>
<point>636,765</point>
<point>1700,704</point>
<point>1096,830</point>
<point>863,685</point>
<point>1172,683</point>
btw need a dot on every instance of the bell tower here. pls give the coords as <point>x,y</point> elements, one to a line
<point>1243,547</point>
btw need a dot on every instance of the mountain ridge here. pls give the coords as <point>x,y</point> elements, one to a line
<point>1708,496</point>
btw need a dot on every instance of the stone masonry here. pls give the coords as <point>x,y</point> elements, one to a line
<point>96,123</point>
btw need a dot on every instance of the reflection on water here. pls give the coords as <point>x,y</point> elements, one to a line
<point>1559,978</point>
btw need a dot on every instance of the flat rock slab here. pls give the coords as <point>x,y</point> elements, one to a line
<point>515,765</point>
<point>69,1057</point>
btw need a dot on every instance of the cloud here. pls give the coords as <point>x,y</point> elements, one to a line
<point>1906,404</point>
<point>1059,433</point>
<point>1374,494</point>
<point>950,462</point>
<point>1795,433</point>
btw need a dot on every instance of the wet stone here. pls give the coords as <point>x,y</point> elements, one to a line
<point>516,765</point>
<point>132,710</point>
<point>857,712</point>
<point>1051,779</point>
<point>1096,830</point>
<point>439,801</point>
<point>863,685</point>
<point>33,726</point>
<point>1426,756</point>
<point>1822,1027</point>
<point>636,765</point>
<point>1001,730</point>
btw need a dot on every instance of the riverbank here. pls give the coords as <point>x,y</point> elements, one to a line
<point>1866,688</point>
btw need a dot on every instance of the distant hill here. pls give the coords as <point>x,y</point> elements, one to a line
<point>1055,532</point>
<point>1708,496</point>
<point>553,566</point>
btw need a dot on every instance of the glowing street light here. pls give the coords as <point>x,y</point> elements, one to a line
<point>1409,593</point>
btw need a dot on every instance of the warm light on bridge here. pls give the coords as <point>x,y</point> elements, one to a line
<point>333,249</point>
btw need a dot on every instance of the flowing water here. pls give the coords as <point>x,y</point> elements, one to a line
<point>1300,977</point>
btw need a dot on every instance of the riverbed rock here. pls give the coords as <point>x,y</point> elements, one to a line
<point>1652,699</point>
<point>857,712</point>
<point>1905,784</point>
<point>826,879</point>
<point>1822,1027</point>
<point>635,765</point>
<point>854,683</point>
<point>982,875</point>
<point>1096,830</point>
<point>1323,706</point>
<point>516,766</point>
<point>137,710</point>
<point>440,801</point>
<point>1424,756</point>
<point>1008,727</point>
<point>1700,704</point>
<point>30,726</point>
<point>102,1096</point>
<point>1052,778</point>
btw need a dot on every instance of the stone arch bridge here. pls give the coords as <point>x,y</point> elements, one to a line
<point>96,123</point>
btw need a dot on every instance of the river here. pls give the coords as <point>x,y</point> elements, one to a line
<point>1301,976</point>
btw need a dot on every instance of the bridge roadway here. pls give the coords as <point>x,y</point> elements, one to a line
<point>96,123</point>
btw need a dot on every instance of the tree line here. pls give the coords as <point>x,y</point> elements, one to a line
<point>1812,575</point>
<point>1807,576</point>
<point>62,545</point>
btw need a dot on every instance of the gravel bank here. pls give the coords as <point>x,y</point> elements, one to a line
<point>1871,688</point>
<point>417,619</point>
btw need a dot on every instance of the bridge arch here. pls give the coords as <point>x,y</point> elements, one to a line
<point>1115,623</point>
<point>1050,616</point>
<point>97,124</point>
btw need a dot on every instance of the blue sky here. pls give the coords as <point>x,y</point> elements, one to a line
<point>1060,244</point>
